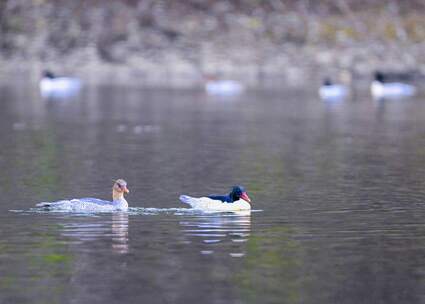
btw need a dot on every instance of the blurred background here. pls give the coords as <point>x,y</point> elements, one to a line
<point>176,43</point>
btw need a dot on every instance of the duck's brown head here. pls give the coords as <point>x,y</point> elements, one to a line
<point>119,188</point>
<point>120,185</point>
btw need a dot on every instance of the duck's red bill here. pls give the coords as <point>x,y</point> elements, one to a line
<point>245,197</point>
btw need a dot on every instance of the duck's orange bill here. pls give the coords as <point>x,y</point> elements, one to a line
<point>245,197</point>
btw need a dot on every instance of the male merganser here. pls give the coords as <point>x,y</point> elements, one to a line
<point>331,91</point>
<point>382,88</point>
<point>236,200</point>
<point>93,204</point>
<point>53,86</point>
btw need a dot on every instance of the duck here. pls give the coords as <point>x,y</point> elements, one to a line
<point>387,87</point>
<point>236,200</point>
<point>332,91</point>
<point>54,86</point>
<point>223,87</point>
<point>90,204</point>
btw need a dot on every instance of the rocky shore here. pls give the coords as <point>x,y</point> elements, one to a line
<point>177,44</point>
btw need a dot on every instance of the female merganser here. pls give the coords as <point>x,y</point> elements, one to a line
<point>380,88</point>
<point>53,86</point>
<point>331,91</point>
<point>236,200</point>
<point>93,204</point>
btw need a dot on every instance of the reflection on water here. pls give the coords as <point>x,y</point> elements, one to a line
<point>120,232</point>
<point>115,229</point>
<point>273,253</point>
<point>233,228</point>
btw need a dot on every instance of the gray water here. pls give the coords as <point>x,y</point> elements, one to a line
<point>338,188</point>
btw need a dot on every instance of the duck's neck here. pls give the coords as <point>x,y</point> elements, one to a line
<point>233,197</point>
<point>117,196</point>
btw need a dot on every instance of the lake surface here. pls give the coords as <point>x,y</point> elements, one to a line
<point>339,190</point>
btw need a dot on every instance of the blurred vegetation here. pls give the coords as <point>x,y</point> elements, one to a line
<point>196,31</point>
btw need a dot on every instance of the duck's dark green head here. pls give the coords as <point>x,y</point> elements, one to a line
<point>327,81</point>
<point>48,74</point>
<point>379,76</point>
<point>238,192</point>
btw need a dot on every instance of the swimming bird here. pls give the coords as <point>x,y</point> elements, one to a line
<point>89,204</point>
<point>222,87</point>
<point>236,200</point>
<point>385,87</point>
<point>332,91</point>
<point>54,86</point>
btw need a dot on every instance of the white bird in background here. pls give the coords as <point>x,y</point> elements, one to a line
<point>386,86</point>
<point>331,91</point>
<point>214,86</point>
<point>54,86</point>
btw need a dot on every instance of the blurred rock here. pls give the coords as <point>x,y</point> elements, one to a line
<point>176,43</point>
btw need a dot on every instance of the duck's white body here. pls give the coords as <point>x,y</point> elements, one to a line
<point>223,87</point>
<point>86,205</point>
<point>90,204</point>
<point>391,89</point>
<point>208,204</point>
<point>334,91</point>
<point>59,86</point>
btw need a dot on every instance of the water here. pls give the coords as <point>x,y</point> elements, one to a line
<point>340,186</point>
